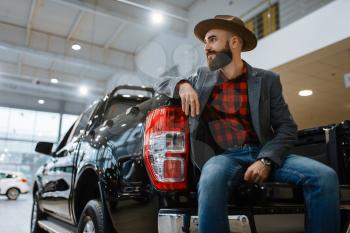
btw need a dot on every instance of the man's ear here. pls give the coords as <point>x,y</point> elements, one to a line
<point>234,42</point>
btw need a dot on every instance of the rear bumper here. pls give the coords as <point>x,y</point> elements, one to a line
<point>172,222</point>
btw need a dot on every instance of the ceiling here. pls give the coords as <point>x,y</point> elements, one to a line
<point>323,72</point>
<point>37,35</point>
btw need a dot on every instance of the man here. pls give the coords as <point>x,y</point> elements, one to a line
<point>242,110</point>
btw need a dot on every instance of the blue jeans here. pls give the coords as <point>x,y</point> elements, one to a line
<point>223,172</point>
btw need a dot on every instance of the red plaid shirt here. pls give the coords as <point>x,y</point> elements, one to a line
<point>227,113</point>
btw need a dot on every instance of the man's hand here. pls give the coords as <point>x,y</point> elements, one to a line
<point>257,172</point>
<point>189,99</point>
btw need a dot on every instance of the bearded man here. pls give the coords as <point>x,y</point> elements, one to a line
<point>250,130</point>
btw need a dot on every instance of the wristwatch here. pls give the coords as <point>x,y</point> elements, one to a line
<point>265,161</point>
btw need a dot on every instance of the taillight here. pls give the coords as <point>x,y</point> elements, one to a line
<point>166,148</point>
<point>23,180</point>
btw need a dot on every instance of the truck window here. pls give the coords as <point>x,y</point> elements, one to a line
<point>82,122</point>
<point>118,106</point>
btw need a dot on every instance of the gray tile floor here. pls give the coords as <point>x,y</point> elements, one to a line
<point>15,215</point>
<point>15,218</point>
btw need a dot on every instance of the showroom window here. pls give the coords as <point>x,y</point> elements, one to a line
<point>21,129</point>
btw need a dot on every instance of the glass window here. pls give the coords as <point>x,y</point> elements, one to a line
<point>14,146</point>
<point>265,22</point>
<point>4,121</point>
<point>67,122</point>
<point>46,126</point>
<point>21,124</point>
<point>84,120</point>
<point>118,106</point>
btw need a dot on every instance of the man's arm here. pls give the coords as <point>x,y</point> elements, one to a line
<point>181,88</point>
<point>283,125</point>
<point>169,85</point>
<point>285,135</point>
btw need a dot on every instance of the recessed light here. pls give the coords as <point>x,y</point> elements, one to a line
<point>305,92</point>
<point>54,80</point>
<point>76,47</point>
<point>83,90</point>
<point>157,17</point>
<point>41,101</point>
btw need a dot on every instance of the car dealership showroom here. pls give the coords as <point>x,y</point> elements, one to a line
<point>171,116</point>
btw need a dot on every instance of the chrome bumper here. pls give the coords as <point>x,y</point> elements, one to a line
<point>174,223</point>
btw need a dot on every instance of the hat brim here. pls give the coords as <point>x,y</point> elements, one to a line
<point>249,39</point>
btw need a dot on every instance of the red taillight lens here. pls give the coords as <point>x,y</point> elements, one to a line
<point>166,148</point>
<point>23,180</point>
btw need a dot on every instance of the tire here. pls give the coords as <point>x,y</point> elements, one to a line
<point>12,194</point>
<point>37,215</point>
<point>94,219</point>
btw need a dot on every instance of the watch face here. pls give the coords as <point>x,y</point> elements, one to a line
<point>266,161</point>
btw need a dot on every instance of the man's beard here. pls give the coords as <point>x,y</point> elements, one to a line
<point>222,58</point>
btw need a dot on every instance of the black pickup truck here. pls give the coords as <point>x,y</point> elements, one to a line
<point>124,166</point>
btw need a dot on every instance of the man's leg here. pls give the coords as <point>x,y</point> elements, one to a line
<point>218,174</point>
<point>321,192</point>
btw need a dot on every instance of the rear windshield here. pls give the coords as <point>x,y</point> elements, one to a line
<point>119,106</point>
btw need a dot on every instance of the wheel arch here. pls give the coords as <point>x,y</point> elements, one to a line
<point>87,188</point>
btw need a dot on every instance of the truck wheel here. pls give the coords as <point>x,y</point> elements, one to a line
<point>36,216</point>
<point>93,219</point>
<point>12,193</point>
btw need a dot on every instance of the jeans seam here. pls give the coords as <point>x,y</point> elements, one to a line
<point>290,171</point>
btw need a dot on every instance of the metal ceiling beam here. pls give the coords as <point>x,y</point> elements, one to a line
<point>118,15</point>
<point>148,8</point>
<point>29,22</point>
<point>6,87</point>
<point>114,36</point>
<point>43,77</point>
<point>75,25</point>
<point>19,64</point>
<point>45,38</point>
<point>12,81</point>
<point>57,57</point>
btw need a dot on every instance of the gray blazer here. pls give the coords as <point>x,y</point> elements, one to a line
<point>271,119</point>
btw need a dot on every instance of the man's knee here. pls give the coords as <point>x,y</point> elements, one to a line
<point>328,179</point>
<point>217,172</point>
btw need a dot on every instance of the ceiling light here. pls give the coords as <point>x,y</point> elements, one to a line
<point>83,90</point>
<point>6,150</point>
<point>41,101</point>
<point>127,96</point>
<point>76,47</point>
<point>157,18</point>
<point>54,80</point>
<point>305,92</point>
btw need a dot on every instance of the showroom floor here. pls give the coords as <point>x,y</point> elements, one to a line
<point>15,215</point>
<point>15,218</point>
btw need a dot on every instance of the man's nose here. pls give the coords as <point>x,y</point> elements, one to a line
<point>206,47</point>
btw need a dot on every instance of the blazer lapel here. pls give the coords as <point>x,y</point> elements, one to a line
<point>254,87</point>
<point>206,88</point>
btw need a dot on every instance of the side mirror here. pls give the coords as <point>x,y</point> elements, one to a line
<point>44,147</point>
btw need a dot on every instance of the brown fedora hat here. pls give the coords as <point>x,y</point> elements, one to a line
<point>229,23</point>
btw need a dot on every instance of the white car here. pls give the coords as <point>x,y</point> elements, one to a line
<point>12,184</point>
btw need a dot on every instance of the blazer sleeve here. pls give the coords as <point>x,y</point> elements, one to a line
<point>168,85</point>
<point>284,128</point>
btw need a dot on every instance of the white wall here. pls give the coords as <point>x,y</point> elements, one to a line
<point>319,29</point>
